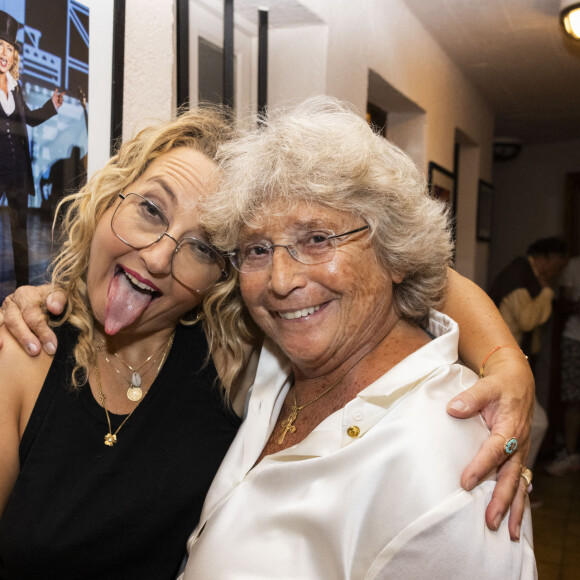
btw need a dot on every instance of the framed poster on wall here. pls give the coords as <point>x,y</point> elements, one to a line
<point>66,59</point>
<point>442,185</point>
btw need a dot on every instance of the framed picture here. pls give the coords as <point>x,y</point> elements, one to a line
<point>73,53</point>
<point>442,185</point>
<point>484,211</point>
<point>106,64</point>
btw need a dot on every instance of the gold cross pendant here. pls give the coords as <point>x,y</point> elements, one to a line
<point>110,439</point>
<point>287,425</point>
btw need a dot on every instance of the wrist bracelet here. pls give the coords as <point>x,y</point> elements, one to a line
<point>494,349</point>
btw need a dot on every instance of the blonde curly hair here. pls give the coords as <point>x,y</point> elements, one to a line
<point>15,68</point>
<point>202,130</point>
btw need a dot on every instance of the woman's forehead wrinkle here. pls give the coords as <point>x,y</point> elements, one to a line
<point>303,219</point>
<point>158,180</point>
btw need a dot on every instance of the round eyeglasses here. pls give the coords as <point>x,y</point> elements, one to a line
<point>314,247</point>
<point>139,223</point>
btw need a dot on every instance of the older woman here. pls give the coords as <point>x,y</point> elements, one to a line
<point>347,465</point>
<point>107,449</point>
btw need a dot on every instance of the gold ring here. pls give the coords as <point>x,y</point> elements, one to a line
<point>511,444</point>
<point>527,475</point>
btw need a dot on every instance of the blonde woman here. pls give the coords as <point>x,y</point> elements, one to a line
<point>107,448</point>
<point>16,179</point>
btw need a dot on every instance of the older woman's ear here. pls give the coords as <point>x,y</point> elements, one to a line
<point>398,277</point>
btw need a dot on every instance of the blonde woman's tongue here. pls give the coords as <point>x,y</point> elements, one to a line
<point>125,303</point>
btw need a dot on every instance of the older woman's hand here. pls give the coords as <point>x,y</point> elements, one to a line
<point>505,398</point>
<point>24,315</point>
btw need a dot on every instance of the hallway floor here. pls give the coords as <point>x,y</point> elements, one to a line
<point>556,525</point>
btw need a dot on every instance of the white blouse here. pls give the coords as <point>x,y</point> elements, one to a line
<point>385,504</point>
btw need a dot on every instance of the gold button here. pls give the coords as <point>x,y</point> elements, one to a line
<point>353,431</point>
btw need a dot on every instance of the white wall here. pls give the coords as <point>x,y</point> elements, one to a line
<point>529,198</point>
<point>149,79</point>
<point>297,60</point>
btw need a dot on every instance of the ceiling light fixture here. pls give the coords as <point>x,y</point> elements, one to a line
<point>506,148</point>
<point>570,18</point>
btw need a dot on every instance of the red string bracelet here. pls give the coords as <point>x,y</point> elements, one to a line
<point>494,349</point>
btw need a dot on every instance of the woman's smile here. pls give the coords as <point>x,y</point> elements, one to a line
<point>303,312</point>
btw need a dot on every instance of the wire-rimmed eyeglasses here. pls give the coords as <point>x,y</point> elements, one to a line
<point>139,223</point>
<point>313,247</point>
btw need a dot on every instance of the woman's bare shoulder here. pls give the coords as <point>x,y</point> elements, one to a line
<point>21,378</point>
<point>18,392</point>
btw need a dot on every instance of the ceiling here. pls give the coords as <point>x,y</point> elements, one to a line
<point>515,53</point>
<point>281,13</point>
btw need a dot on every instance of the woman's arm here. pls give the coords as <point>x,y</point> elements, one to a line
<point>505,397</point>
<point>471,550</point>
<point>9,438</point>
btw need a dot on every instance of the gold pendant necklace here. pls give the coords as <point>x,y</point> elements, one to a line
<point>288,424</point>
<point>110,437</point>
<point>134,392</point>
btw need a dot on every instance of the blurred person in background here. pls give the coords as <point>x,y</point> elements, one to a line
<point>523,293</point>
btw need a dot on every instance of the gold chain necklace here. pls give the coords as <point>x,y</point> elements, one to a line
<point>288,424</point>
<point>134,392</point>
<point>110,437</point>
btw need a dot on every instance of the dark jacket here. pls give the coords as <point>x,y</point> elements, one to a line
<point>32,118</point>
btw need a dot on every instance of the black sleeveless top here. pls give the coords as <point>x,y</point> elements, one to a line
<point>80,509</point>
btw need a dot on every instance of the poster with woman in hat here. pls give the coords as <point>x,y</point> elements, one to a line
<point>16,179</point>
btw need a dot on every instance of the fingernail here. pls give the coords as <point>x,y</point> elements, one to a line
<point>497,522</point>
<point>458,405</point>
<point>50,348</point>
<point>31,348</point>
<point>517,538</point>
<point>53,302</point>
<point>471,483</point>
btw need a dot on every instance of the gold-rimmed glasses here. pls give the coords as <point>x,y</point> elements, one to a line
<point>312,247</point>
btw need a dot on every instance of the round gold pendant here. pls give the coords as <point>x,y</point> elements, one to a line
<point>134,394</point>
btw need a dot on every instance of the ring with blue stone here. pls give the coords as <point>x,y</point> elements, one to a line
<point>511,444</point>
